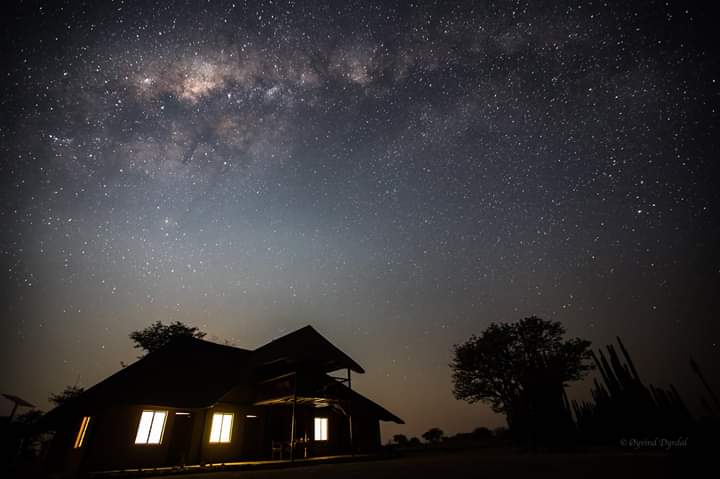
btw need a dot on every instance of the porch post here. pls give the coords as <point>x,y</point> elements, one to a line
<point>292,425</point>
<point>12,414</point>
<point>350,426</point>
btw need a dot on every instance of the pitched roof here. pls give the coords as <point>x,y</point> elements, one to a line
<point>340,392</point>
<point>361,402</point>
<point>192,373</point>
<point>305,345</point>
<point>187,372</point>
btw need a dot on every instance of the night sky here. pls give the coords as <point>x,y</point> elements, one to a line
<point>396,174</point>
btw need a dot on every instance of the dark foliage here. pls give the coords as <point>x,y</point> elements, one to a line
<point>482,433</point>
<point>400,439</point>
<point>521,370</point>
<point>68,394</point>
<point>29,418</point>
<point>501,433</point>
<point>433,435</point>
<point>623,408</point>
<point>158,335</point>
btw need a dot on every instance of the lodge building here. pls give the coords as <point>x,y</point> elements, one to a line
<point>195,402</point>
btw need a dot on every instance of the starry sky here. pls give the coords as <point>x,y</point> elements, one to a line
<point>397,174</point>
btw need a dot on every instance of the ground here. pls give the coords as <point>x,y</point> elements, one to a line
<point>482,464</point>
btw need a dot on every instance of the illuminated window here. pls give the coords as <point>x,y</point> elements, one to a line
<point>221,427</point>
<point>151,427</point>
<point>81,432</point>
<point>321,428</point>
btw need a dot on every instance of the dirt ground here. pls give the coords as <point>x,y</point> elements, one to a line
<point>483,464</point>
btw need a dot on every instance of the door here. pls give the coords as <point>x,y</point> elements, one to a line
<point>180,435</point>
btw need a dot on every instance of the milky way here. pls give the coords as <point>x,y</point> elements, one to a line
<point>399,175</point>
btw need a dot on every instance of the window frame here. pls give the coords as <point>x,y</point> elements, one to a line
<point>321,424</point>
<point>82,431</point>
<point>223,427</point>
<point>155,413</point>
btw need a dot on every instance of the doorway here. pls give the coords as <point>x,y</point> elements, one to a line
<point>180,435</point>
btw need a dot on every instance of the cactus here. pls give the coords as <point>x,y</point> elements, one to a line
<point>622,406</point>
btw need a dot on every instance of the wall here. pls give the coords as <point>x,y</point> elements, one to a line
<point>247,434</point>
<point>110,439</point>
<point>111,443</point>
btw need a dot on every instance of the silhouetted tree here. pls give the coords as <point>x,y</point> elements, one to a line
<point>68,394</point>
<point>158,335</point>
<point>413,441</point>
<point>28,441</point>
<point>482,433</point>
<point>521,369</point>
<point>433,435</point>
<point>30,417</point>
<point>400,439</point>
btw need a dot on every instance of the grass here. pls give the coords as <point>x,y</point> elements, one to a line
<point>490,463</point>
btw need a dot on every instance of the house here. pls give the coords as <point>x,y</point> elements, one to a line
<point>198,402</point>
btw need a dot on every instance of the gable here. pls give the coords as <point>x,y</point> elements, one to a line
<point>187,373</point>
<point>193,373</point>
<point>305,346</point>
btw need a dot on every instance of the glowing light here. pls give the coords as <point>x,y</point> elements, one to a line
<point>81,432</point>
<point>151,427</point>
<point>321,429</point>
<point>221,428</point>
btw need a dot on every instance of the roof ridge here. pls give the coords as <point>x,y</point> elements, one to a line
<point>309,329</point>
<point>205,341</point>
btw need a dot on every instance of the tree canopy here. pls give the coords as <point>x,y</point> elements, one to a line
<point>68,394</point>
<point>158,335</point>
<point>29,417</point>
<point>433,435</point>
<point>510,362</point>
<point>400,439</point>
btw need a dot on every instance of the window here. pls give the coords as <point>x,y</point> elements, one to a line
<point>221,427</point>
<point>81,432</point>
<point>151,427</point>
<point>321,428</point>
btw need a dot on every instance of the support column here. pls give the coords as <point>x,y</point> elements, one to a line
<point>12,414</point>
<point>292,426</point>
<point>350,423</point>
